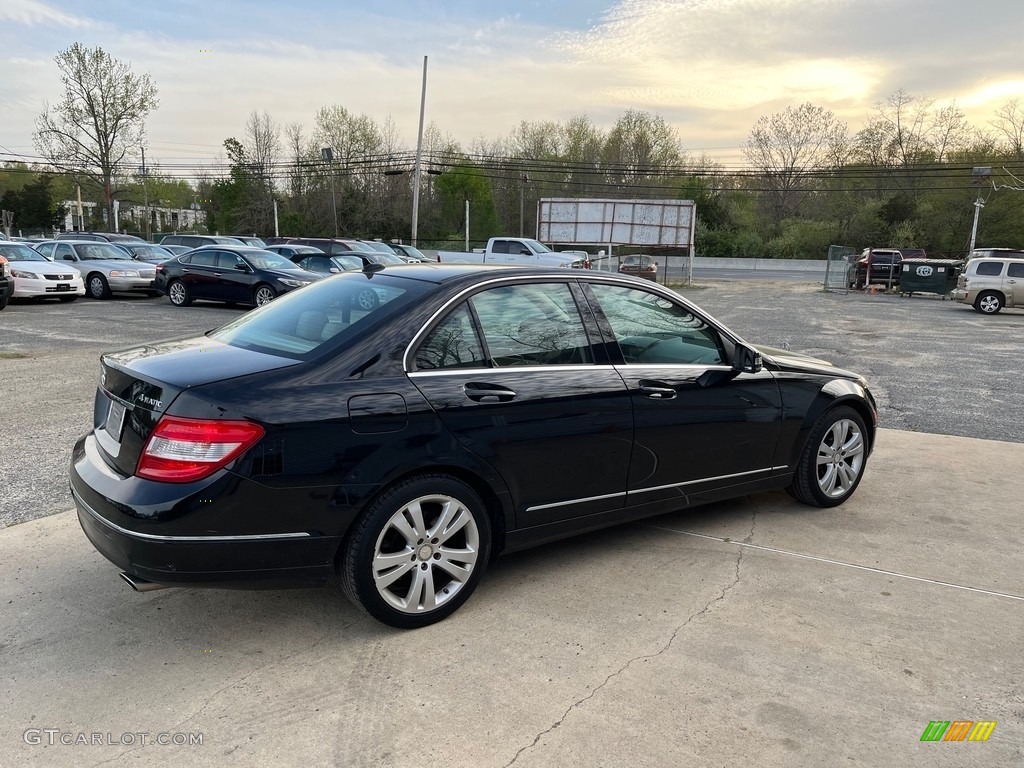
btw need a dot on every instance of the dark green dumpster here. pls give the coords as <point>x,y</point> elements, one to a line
<point>929,276</point>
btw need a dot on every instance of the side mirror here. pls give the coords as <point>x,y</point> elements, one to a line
<point>335,271</point>
<point>746,360</point>
<point>241,267</point>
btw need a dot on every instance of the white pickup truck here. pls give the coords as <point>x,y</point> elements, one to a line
<point>520,251</point>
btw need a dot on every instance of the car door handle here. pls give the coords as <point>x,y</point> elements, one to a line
<point>216,274</point>
<point>478,392</point>
<point>656,390</point>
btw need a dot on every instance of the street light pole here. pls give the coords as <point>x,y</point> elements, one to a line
<point>327,153</point>
<point>145,197</point>
<point>978,174</point>
<point>419,159</point>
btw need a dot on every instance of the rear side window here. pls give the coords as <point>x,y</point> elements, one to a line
<point>1015,270</point>
<point>537,324</point>
<point>452,344</point>
<point>989,268</point>
<point>204,259</point>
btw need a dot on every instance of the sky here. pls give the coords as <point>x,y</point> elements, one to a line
<point>711,68</point>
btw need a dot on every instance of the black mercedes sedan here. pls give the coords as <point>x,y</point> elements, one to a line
<point>472,410</point>
<point>233,274</point>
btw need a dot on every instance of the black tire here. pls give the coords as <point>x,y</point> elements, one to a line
<point>834,438</point>
<point>67,299</point>
<point>988,302</point>
<point>4,298</point>
<point>97,287</point>
<point>422,589</point>
<point>263,294</point>
<point>152,294</point>
<point>177,293</point>
<point>366,299</point>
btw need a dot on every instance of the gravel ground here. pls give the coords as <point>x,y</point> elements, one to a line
<point>934,366</point>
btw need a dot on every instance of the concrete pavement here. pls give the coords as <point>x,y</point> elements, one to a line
<point>705,638</point>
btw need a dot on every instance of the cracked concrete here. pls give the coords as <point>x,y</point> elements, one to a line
<point>631,646</point>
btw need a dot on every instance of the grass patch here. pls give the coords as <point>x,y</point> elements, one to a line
<point>12,356</point>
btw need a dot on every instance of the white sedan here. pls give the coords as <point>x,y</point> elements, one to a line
<point>36,277</point>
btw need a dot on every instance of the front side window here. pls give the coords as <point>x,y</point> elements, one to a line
<point>532,324</point>
<point>64,252</point>
<point>651,329</point>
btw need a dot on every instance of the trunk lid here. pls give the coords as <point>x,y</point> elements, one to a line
<point>137,386</point>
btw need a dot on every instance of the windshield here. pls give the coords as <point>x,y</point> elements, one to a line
<point>152,250</point>
<point>97,251</point>
<point>268,260</point>
<point>538,247</point>
<point>19,252</point>
<point>324,315</point>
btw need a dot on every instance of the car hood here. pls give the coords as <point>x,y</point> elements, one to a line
<point>108,264</point>
<point>46,267</point>
<point>795,361</point>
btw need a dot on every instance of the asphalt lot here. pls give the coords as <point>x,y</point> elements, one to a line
<point>934,366</point>
<point>752,632</point>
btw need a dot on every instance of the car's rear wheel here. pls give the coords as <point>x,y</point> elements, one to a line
<point>832,463</point>
<point>418,551</point>
<point>367,299</point>
<point>263,294</point>
<point>98,287</point>
<point>988,303</point>
<point>178,294</point>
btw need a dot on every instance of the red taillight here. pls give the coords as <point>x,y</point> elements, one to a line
<point>184,450</point>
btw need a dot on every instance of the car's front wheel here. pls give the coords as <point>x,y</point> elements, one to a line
<point>263,294</point>
<point>98,287</point>
<point>178,294</point>
<point>832,463</point>
<point>988,303</point>
<point>417,552</point>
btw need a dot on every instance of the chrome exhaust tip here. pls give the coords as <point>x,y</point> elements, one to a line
<point>140,584</point>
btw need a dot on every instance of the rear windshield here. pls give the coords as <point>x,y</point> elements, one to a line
<point>322,316</point>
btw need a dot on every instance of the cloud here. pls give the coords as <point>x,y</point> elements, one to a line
<point>35,13</point>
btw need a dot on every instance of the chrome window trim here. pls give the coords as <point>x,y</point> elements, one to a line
<point>701,480</point>
<point>575,501</point>
<point>506,369</point>
<point>562,278</point>
<point>155,537</point>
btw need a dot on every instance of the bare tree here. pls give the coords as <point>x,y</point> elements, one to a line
<point>100,119</point>
<point>1009,122</point>
<point>788,147</point>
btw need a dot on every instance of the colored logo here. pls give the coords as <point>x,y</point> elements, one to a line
<point>958,730</point>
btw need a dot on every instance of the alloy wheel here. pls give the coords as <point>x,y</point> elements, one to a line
<point>840,458</point>
<point>425,553</point>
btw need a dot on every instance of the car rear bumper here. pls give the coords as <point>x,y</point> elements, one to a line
<point>148,530</point>
<point>960,294</point>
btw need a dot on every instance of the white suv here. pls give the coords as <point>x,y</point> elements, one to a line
<point>990,283</point>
